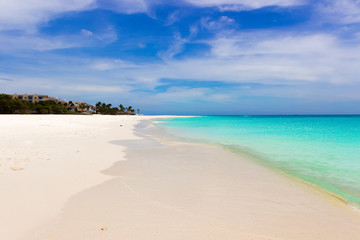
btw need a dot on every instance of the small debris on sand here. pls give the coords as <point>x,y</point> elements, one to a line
<point>16,168</point>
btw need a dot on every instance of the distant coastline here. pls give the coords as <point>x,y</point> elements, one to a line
<point>45,104</point>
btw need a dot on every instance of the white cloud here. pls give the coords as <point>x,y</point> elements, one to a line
<point>60,86</point>
<point>335,11</point>
<point>83,88</point>
<point>176,48</point>
<point>240,5</point>
<point>124,6</point>
<point>26,15</point>
<point>34,41</point>
<point>220,24</point>
<point>260,43</point>
<point>266,57</point>
<point>172,18</point>
<point>5,79</point>
<point>15,43</point>
<point>110,64</point>
<point>226,19</point>
<point>271,59</point>
<point>260,57</point>
<point>86,32</point>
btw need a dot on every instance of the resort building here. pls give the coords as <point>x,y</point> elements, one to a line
<point>34,98</point>
<point>75,107</point>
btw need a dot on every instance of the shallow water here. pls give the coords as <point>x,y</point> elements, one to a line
<point>324,150</point>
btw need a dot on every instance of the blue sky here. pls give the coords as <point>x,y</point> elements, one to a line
<point>186,56</point>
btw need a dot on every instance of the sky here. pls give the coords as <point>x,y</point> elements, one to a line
<point>206,57</point>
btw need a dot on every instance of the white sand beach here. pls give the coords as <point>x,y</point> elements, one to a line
<point>91,177</point>
<point>44,160</point>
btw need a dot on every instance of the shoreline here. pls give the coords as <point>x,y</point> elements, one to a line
<point>157,188</point>
<point>248,156</point>
<point>261,160</point>
<point>176,190</point>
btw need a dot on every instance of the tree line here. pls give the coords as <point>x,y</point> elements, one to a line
<point>9,105</point>
<point>104,108</point>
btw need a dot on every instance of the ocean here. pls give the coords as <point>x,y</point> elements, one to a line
<point>322,150</point>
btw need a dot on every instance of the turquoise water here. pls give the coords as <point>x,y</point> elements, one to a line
<point>324,150</point>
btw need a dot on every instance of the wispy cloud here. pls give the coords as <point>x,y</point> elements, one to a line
<point>86,32</point>
<point>339,12</point>
<point>287,59</point>
<point>270,59</point>
<point>26,15</point>
<point>41,42</point>
<point>220,24</point>
<point>306,63</point>
<point>240,5</point>
<point>124,6</point>
<point>111,64</point>
<point>175,48</point>
<point>5,79</point>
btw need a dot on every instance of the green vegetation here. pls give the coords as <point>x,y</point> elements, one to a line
<point>104,108</point>
<point>9,105</point>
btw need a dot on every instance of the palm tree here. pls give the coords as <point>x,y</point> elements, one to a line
<point>122,108</point>
<point>98,105</point>
<point>129,109</point>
